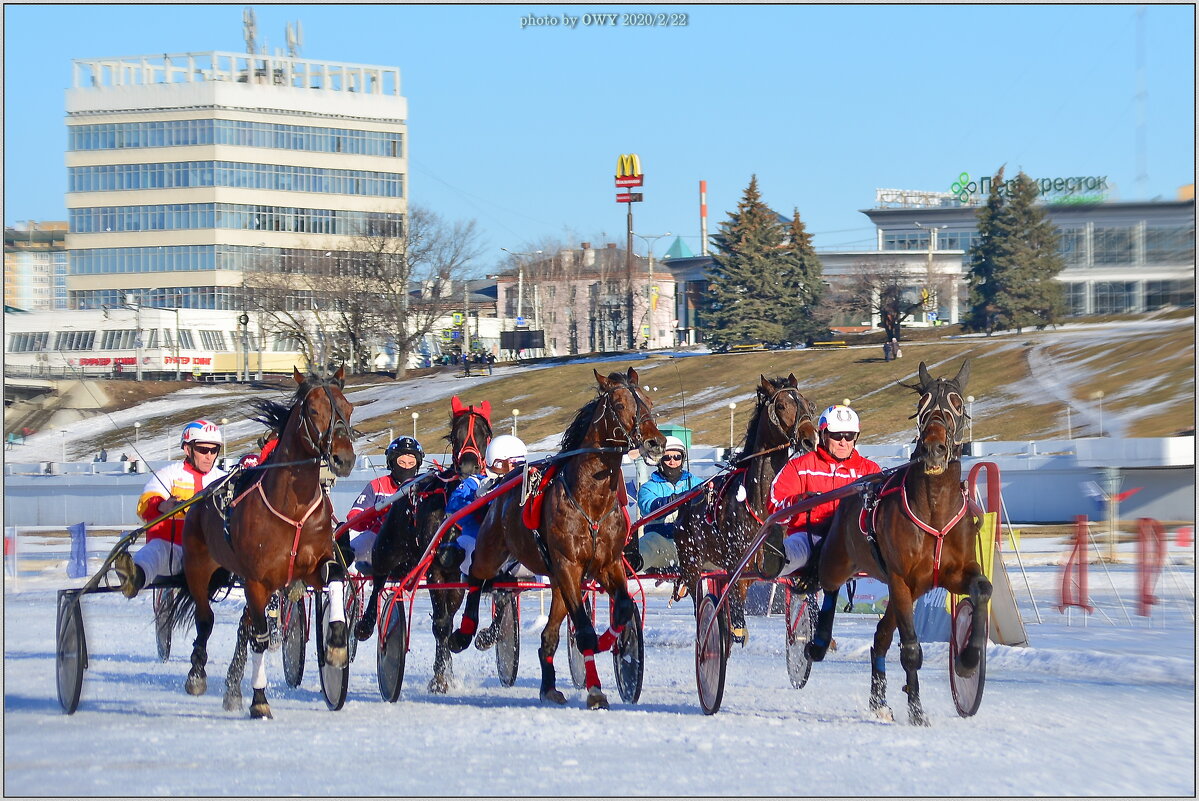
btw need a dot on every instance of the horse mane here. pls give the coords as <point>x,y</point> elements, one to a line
<point>572,438</point>
<point>273,414</point>
<point>778,382</point>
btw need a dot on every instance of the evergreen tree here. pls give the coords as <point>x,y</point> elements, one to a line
<point>802,275</point>
<point>746,299</point>
<point>1014,265</point>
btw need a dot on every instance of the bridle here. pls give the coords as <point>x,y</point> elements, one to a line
<point>470,443</point>
<point>321,445</point>
<point>620,435</point>
<point>808,412</point>
<point>943,402</point>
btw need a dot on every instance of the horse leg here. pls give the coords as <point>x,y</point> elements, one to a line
<point>883,634</point>
<point>197,584</point>
<point>911,656</point>
<point>366,624</point>
<point>567,583</point>
<point>549,644</point>
<point>461,638</point>
<point>817,647</point>
<point>337,644</point>
<point>237,667</point>
<point>737,628</point>
<point>979,590</point>
<point>445,604</point>
<point>257,596</point>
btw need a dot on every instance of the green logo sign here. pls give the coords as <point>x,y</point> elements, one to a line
<point>1066,190</point>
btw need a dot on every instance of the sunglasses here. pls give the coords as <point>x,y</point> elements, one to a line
<point>842,436</point>
<point>673,457</point>
<point>206,449</point>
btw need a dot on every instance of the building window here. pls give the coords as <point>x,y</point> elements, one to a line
<point>1174,245</point>
<point>905,240</point>
<point>212,340</point>
<point>1159,294</point>
<point>1112,246</point>
<point>1072,245</point>
<point>1114,297</point>
<point>241,133</point>
<point>288,344</point>
<point>28,342</point>
<point>75,340</point>
<point>277,177</point>
<point>1076,297</point>
<point>123,339</point>
<point>185,340</point>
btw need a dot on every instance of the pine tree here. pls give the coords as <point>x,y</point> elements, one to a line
<point>745,296</point>
<point>1014,265</point>
<point>802,277</point>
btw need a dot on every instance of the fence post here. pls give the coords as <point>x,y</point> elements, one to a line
<point>1151,556</point>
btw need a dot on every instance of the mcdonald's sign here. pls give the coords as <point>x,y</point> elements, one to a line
<point>628,170</point>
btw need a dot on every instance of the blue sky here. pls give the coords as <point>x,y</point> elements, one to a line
<point>520,129</point>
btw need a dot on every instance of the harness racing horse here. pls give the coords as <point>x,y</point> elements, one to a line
<point>410,525</point>
<point>716,528</point>
<point>277,533</point>
<point>925,534</point>
<point>581,531</point>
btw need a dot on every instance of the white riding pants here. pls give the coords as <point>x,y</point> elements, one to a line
<point>658,551</point>
<point>798,548</point>
<point>159,558</point>
<point>363,544</point>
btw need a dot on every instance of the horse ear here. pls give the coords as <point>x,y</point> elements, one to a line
<point>963,376</point>
<point>925,378</point>
<point>486,407</point>
<point>296,375</point>
<point>766,388</point>
<point>632,376</point>
<point>603,382</point>
<point>456,406</point>
<point>340,376</point>
<point>791,380</point>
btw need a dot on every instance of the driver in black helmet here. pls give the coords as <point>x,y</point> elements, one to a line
<point>404,458</point>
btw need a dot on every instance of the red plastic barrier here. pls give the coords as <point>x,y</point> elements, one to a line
<point>1075,593</point>
<point>1151,558</point>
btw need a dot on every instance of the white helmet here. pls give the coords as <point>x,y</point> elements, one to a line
<point>840,419</point>
<point>675,444</point>
<point>506,446</point>
<point>201,431</point>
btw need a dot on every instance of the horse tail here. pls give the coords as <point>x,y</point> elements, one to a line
<point>183,609</point>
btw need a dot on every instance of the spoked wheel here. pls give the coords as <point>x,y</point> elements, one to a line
<point>628,659</point>
<point>353,603</point>
<point>801,624</point>
<point>711,634</point>
<point>164,597</point>
<point>507,641</point>
<point>574,657</point>
<point>293,624</point>
<point>393,646</point>
<point>334,680</point>
<point>967,692</point>
<point>70,652</point>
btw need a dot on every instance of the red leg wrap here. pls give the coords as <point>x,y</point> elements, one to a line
<point>608,638</point>
<point>469,625</point>
<point>592,678</point>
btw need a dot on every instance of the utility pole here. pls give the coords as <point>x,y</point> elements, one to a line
<point>628,275</point>
<point>466,320</point>
<point>931,301</point>
<point>650,241</point>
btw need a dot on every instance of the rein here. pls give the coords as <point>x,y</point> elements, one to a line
<point>298,524</point>
<point>337,421</point>
<point>469,443</point>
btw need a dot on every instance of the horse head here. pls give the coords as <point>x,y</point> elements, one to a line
<point>789,412</point>
<point>324,415</point>
<point>940,415</point>
<point>623,416</point>
<point>470,431</point>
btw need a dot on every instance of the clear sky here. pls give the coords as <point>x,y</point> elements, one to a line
<point>520,128</point>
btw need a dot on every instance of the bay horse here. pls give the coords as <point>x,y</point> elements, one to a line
<point>277,533</point>
<point>717,527</point>
<point>925,531</point>
<point>410,525</point>
<point>581,529</point>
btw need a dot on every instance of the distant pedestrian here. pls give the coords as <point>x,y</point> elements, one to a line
<point>887,351</point>
<point>124,457</point>
<point>103,457</point>
<point>490,363</point>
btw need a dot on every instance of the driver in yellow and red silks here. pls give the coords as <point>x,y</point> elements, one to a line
<point>167,489</point>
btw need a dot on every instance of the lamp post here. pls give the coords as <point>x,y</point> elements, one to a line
<point>515,414</point>
<point>1069,428</point>
<point>415,417</point>
<point>650,239</point>
<point>520,279</point>
<point>178,367</point>
<point>137,431</point>
<point>732,409</point>
<point>932,245</point>
<point>970,419</point>
<point>63,431</point>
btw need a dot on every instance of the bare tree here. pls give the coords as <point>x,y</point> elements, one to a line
<point>886,289</point>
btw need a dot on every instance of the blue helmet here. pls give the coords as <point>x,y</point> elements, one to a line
<point>404,445</point>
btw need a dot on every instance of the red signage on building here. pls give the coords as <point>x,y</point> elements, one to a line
<point>629,180</point>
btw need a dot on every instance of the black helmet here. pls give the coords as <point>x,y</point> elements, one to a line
<point>404,445</point>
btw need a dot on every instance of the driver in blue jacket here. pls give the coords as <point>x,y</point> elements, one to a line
<point>665,485</point>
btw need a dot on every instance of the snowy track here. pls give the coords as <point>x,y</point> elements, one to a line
<point>1098,711</point>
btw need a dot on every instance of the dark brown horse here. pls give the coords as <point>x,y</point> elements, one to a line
<point>582,528</point>
<point>277,533</point>
<point>410,525</point>
<point>717,527</point>
<point>925,534</point>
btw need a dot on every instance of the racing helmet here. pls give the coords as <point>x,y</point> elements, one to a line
<point>404,445</point>
<point>201,431</point>
<point>675,444</point>
<point>839,418</point>
<point>506,446</point>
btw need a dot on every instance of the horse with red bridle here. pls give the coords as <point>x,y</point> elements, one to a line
<point>581,530</point>
<point>410,525</point>
<point>277,533</point>
<point>915,532</point>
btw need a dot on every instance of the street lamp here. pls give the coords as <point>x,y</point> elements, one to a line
<point>1099,395</point>
<point>515,414</point>
<point>732,409</point>
<point>415,417</point>
<point>520,279</point>
<point>650,239</point>
<point>1069,428</point>
<point>137,431</point>
<point>970,418</point>
<point>63,431</point>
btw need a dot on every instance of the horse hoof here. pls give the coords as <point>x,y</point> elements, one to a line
<point>815,652</point>
<point>966,665</point>
<point>918,718</point>
<point>883,713</point>
<point>553,694</point>
<point>485,639</point>
<point>439,685</point>
<point>458,642</point>
<point>337,657</point>
<point>196,684</point>
<point>232,703</point>
<point>259,711</point>
<point>364,629</point>
<point>596,699</point>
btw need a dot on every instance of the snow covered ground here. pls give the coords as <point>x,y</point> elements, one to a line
<point>1102,710</point>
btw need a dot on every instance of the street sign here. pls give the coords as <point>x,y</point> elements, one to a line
<point>629,180</point>
<point>629,197</point>
<point>521,322</point>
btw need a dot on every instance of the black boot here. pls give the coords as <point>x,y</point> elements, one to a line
<point>450,555</point>
<point>632,552</point>
<point>773,557</point>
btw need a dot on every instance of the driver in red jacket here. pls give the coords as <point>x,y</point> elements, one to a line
<point>833,464</point>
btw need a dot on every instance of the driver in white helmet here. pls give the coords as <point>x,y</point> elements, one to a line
<point>167,489</point>
<point>665,485</point>
<point>833,464</point>
<point>504,454</point>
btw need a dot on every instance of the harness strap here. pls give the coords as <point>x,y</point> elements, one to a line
<point>299,524</point>
<point>900,485</point>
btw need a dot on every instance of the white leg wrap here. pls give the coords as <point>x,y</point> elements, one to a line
<point>337,604</point>
<point>797,548</point>
<point>259,680</point>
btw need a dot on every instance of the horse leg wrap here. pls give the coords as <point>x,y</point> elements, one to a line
<point>818,647</point>
<point>878,680</point>
<point>259,642</point>
<point>258,682</point>
<point>589,671</point>
<point>609,638</point>
<point>470,617</point>
<point>337,601</point>
<point>548,691</point>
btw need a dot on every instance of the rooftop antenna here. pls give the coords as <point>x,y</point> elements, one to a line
<point>295,39</point>
<point>250,27</point>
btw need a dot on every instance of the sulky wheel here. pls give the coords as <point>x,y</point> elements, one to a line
<point>574,656</point>
<point>801,624</point>
<point>293,623</point>
<point>164,598</point>
<point>507,643</point>
<point>353,603</point>
<point>70,652</point>
<point>393,646</point>
<point>711,634</point>
<point>967,692</point>
<point>628,659</point>
<point>334,680</point>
